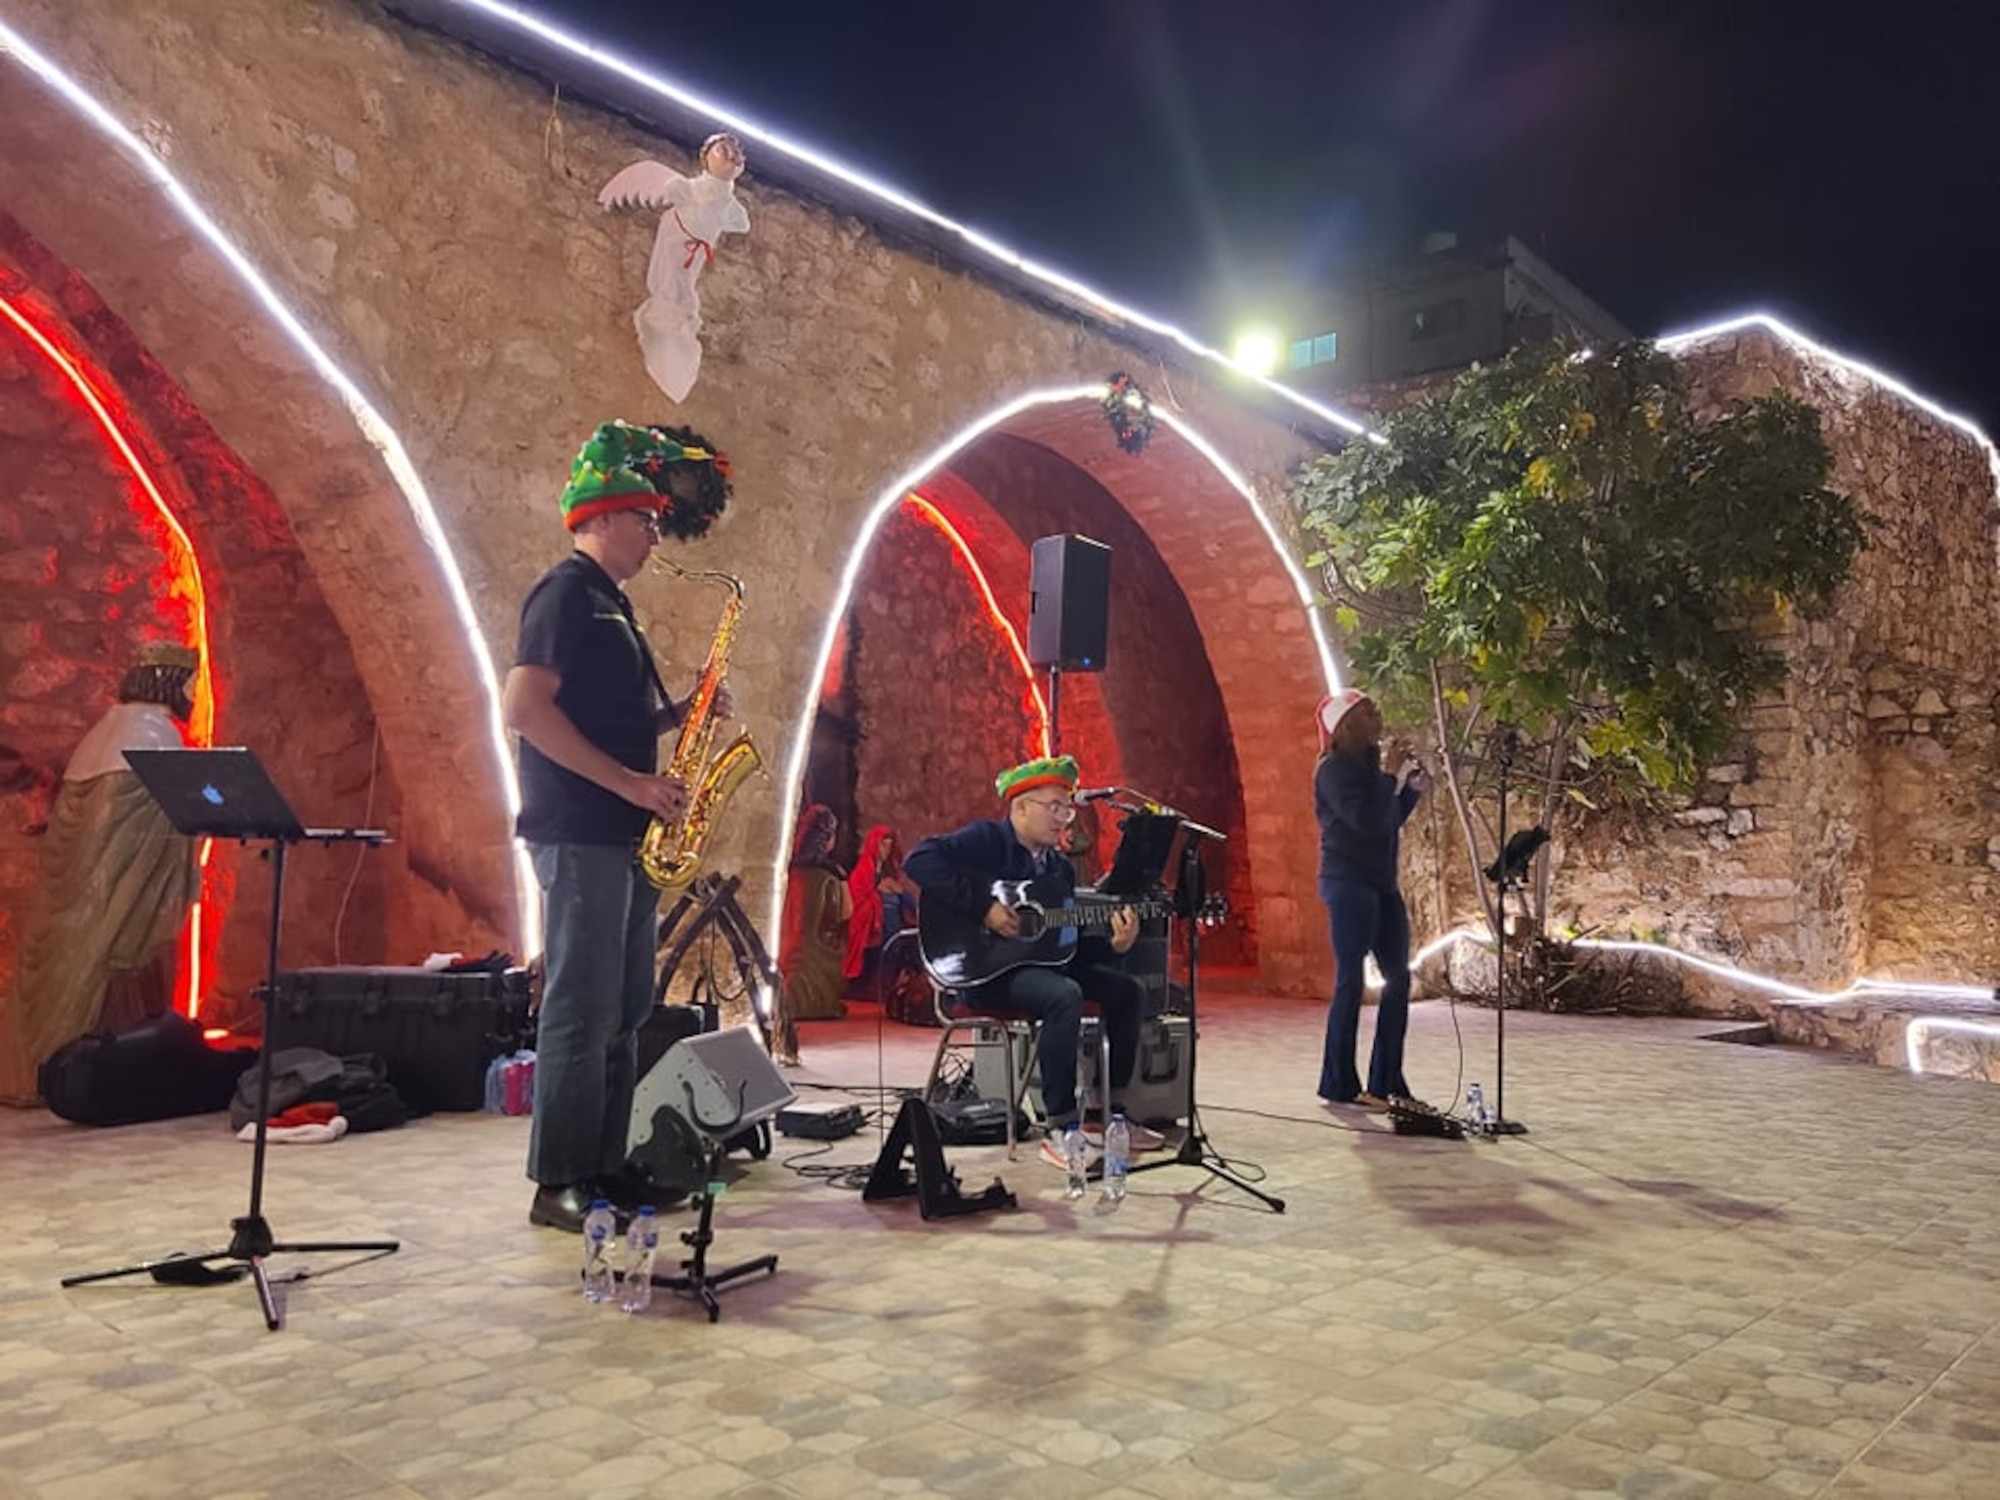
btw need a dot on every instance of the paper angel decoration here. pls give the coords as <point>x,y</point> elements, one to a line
<point>694,213</point>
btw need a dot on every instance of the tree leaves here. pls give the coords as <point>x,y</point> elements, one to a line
<point>1578,554</point>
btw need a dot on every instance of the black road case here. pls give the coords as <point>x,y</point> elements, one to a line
<point>437,1031</point>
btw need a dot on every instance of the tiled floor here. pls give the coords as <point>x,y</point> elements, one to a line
<point>1709,1270</point>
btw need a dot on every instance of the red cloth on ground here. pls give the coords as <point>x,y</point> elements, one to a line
<point>306,1114</point>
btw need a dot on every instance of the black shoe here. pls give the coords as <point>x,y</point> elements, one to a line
<point>563,1207</point>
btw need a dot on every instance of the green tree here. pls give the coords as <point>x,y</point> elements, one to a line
<point>1560,547</point>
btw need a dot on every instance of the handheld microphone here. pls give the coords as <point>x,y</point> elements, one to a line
<point>1094,794</point>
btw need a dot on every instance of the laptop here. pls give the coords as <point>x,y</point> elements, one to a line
<point>1145,845</point>
<point>225,794</point>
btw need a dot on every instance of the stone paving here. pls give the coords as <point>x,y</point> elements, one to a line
<point>1708,1270</point>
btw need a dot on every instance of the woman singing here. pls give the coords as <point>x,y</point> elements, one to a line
<point>1361,807</point>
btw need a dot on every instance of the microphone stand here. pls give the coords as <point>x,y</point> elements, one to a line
<point>1195,1149</point>
<point>1500,1124</point>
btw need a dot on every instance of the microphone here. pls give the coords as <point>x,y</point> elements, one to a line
<point>1094,794</point>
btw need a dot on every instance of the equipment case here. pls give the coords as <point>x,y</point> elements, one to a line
<point>436,1030</point>
<point>1161,1091</point>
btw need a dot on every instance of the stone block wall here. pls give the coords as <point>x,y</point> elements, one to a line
<point>431,217</point>
<point>941,703</point>
<point>1854,829</point>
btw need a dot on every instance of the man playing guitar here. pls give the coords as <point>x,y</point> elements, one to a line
<point>973,881</point>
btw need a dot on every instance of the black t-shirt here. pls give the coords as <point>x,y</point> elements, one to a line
<point>578,623</point>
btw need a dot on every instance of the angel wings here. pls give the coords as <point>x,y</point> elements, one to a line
<point>694,213</point>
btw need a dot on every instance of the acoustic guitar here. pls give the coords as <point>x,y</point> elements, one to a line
<point>960,952</point>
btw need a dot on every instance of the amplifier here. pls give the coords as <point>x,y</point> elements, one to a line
<point>974,1122</point>
<point>820,1120</point>
<point>1161,1091</point>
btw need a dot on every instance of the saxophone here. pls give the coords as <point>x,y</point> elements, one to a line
<point>670,853</point>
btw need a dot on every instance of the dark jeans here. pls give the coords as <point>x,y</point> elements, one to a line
<point>600,912</point>
<point>1055,998</point>
<point>1364,921</point>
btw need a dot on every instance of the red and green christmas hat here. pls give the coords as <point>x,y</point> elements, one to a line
<point>1048,770</point>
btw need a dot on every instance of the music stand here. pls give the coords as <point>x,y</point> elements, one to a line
<point>1190,898</point>
<point>1145,846</point>
<point>227,794</point>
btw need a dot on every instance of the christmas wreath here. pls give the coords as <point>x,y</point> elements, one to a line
<point>692,477</point>
<point>1128,413</point>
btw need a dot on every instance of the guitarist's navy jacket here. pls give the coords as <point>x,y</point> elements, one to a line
<point>956,872</point>
<point>958,869</point>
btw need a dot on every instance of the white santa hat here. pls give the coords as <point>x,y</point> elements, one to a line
<point>1333,709</point>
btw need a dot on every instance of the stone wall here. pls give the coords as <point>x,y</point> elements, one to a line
<point>940,706</point>
<point>1854,829</point>
<point>431,218</point>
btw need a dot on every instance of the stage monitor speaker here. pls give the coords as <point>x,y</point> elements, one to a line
<point>1069,603</point>
<point>720,1082</point>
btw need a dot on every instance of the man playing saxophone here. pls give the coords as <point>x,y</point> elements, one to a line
<point>586,700</point>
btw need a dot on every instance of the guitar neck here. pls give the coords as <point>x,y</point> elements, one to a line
<point>1098,914</point>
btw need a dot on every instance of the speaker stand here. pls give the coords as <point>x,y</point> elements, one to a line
<point>696,1280</point>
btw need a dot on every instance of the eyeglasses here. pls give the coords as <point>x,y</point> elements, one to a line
<point>648,519</point>
<point>1062,812</point>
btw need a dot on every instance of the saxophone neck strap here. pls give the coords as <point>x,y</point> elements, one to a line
<point>646,655</point>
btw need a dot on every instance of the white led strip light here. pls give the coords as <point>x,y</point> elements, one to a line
<point>1113,312</point>
<point>1677,342</point>
<point>374,427</point>
<point>1917,1030</point>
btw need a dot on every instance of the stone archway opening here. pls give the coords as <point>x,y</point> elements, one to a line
<point>1213,663</point>
<point>353,675</point>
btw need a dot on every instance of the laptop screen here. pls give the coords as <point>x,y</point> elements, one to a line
<point>222,793</point>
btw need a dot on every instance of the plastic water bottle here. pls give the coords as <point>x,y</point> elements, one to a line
<point>1476,1117</point>
<point>642,1247</point>
<point>1076,1161</point>
<point>1117,1156</point>
<point>599,1224</point>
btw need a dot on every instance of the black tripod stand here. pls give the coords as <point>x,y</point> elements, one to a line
<point>1191,904</point>
<point>227,794</point>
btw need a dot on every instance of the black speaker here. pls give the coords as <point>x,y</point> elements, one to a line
<point>1069,603</point>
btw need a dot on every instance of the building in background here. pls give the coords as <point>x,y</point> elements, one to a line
<point>1447,307</point>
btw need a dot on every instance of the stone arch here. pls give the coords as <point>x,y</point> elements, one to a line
<point>269,391</point>
<point>1250,607</point>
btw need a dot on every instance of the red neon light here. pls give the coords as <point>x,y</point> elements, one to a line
<point>184,583</point>
<point>1004,625</point>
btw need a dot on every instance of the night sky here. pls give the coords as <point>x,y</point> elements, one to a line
<point>1219,163</point>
